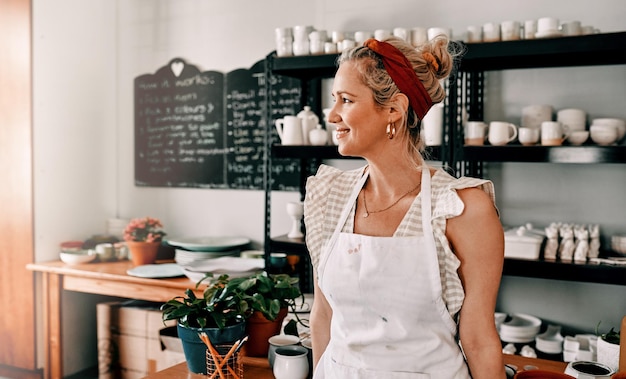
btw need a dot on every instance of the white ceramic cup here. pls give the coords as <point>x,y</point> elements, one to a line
<point>547,25</point>
<point>510,30</point>
<point>330,48</point>
<point>433,125</point>
<point>491,32</point>
<point>528,136</point>
<point>402,33</point>
<point>382,34</point>
<point>289,130</point>
<point>419,36</point>
<point>475,133</point>
<point>436,31</point>
<point>474,34</point>
<point>362,36</point>
<point>501,133</point>
<point>291,363</point>
<point>530,28</point>
<point>575,119</point>
<point>277,341</point>
<point>553,133</point>
<point>572,28</point>
<point>534,115</point>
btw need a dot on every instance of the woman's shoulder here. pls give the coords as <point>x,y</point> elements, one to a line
<point>446,189</point>
<point>328,177</point>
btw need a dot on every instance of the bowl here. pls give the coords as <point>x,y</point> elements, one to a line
<point>618,244</point>
<point>619,124</point>
<point>578,137</point>
<point>78,257</point>
<point>603,134</point>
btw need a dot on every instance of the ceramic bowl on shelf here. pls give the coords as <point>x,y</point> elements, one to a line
<point>78,256</point>
<point>618,244</point>
<point>578,137</point>
<point>603,135</point>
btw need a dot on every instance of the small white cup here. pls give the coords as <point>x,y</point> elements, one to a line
<point>491,32</point>
<point>530,28</point>
<point>362,36</point>
<point>433,125</point>
<point>510,30</point>
<point>578,137</point>
<point>475,132</point>
<point>419,36</point>
<point>401,33</point>
<point>436,31</point>
<point>528,136</point>
<point>277,341</point>
<point>501,133</point>
<point>291,362</point>
<point>534,115</point>
<point>330,48</point>
<point>553,133</point>
<point>474,34</point>
<point>382,34</point>
<point>547,25</point>
<point>572,28</point>
<point>573,118</point>
<point>337,36</point>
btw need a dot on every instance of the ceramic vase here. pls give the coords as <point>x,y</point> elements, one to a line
<point>608,354</point>
<point>143,253</point>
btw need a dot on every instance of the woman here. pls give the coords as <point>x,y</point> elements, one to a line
<point>407,259</point>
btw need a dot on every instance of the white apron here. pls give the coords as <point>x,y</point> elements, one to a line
<point>389,318</point>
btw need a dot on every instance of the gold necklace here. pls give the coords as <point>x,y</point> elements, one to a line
<point>368,212</point>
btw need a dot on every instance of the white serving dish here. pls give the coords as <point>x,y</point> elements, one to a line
<point>77,257</point>
<point>523,243</point>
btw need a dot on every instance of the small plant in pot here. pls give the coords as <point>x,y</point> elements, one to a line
<point>220,313</point>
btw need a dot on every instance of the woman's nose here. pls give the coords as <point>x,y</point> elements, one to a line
<point>333,116</point>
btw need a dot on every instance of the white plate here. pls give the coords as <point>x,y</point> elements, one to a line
<point>227,265</point>
<point>163,270</point>
<point>208,243</point>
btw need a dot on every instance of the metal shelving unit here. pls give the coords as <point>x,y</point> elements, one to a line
<point>591,50</point>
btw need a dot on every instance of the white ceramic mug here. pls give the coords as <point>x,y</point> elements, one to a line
<point>279,340</point>
<point>432,125</point>
<point>475,133</point>
<point>289,130</point>
<point>534,115</point>
<point>510,30</point>
<point>553,133</point>
<point>501,133</point>
<point>291,363</point>
<point>491,32</point>
<point>528,136</point>
<point>573,118</point>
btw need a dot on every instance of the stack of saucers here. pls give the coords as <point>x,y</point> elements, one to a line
<point>520,328</point>
<point>190,258</point>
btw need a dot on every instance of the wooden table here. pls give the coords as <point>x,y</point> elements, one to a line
<point>109,279</point>
<point>258,368</point>
<point>253,368</point>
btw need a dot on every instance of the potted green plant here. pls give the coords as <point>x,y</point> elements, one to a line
<point>220,313</point>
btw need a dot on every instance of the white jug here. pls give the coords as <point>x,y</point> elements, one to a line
<point>309,122</point>
<point>289,130</point>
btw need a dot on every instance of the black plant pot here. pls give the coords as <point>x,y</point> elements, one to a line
<point>195,349</point>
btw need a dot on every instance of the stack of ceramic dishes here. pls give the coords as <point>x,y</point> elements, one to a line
<point>193,251</point>
<point>520,328</point>
<point>550,341</point>
<point>234,267</point>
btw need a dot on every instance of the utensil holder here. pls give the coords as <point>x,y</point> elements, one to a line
<point>234,362</point>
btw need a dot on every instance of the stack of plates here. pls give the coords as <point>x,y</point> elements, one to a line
<point>551,341</point>
<point>234,267</point>
<point>520,328</point>
<point>192,251</point>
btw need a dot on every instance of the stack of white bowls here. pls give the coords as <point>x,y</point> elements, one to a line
<point>551,341</point>
<point>607,131</point>
<point>618,244</point>
<point>520,328</point>
<point>187,258</point>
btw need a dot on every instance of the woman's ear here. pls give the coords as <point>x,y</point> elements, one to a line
<point>400,105</point>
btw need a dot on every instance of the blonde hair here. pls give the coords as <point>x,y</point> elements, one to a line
<point>432,62</point>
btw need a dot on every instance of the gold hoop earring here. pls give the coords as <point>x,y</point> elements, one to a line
<point>391,130</point>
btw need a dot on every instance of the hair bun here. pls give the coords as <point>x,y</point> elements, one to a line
<point>433,62</point>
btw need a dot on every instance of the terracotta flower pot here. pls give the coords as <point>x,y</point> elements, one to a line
<point>259,330</point>
<point>143,253</point>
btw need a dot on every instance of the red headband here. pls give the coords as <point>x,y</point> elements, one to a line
<point>401,72</point>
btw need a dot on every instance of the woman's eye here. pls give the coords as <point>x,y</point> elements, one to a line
<point>345,100</point>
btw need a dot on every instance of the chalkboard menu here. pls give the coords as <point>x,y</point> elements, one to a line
<point>207,129</point>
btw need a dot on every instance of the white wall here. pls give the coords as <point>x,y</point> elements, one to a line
<point>87,53</point>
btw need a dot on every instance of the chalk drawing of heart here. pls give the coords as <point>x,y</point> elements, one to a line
<point>177,68</point>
